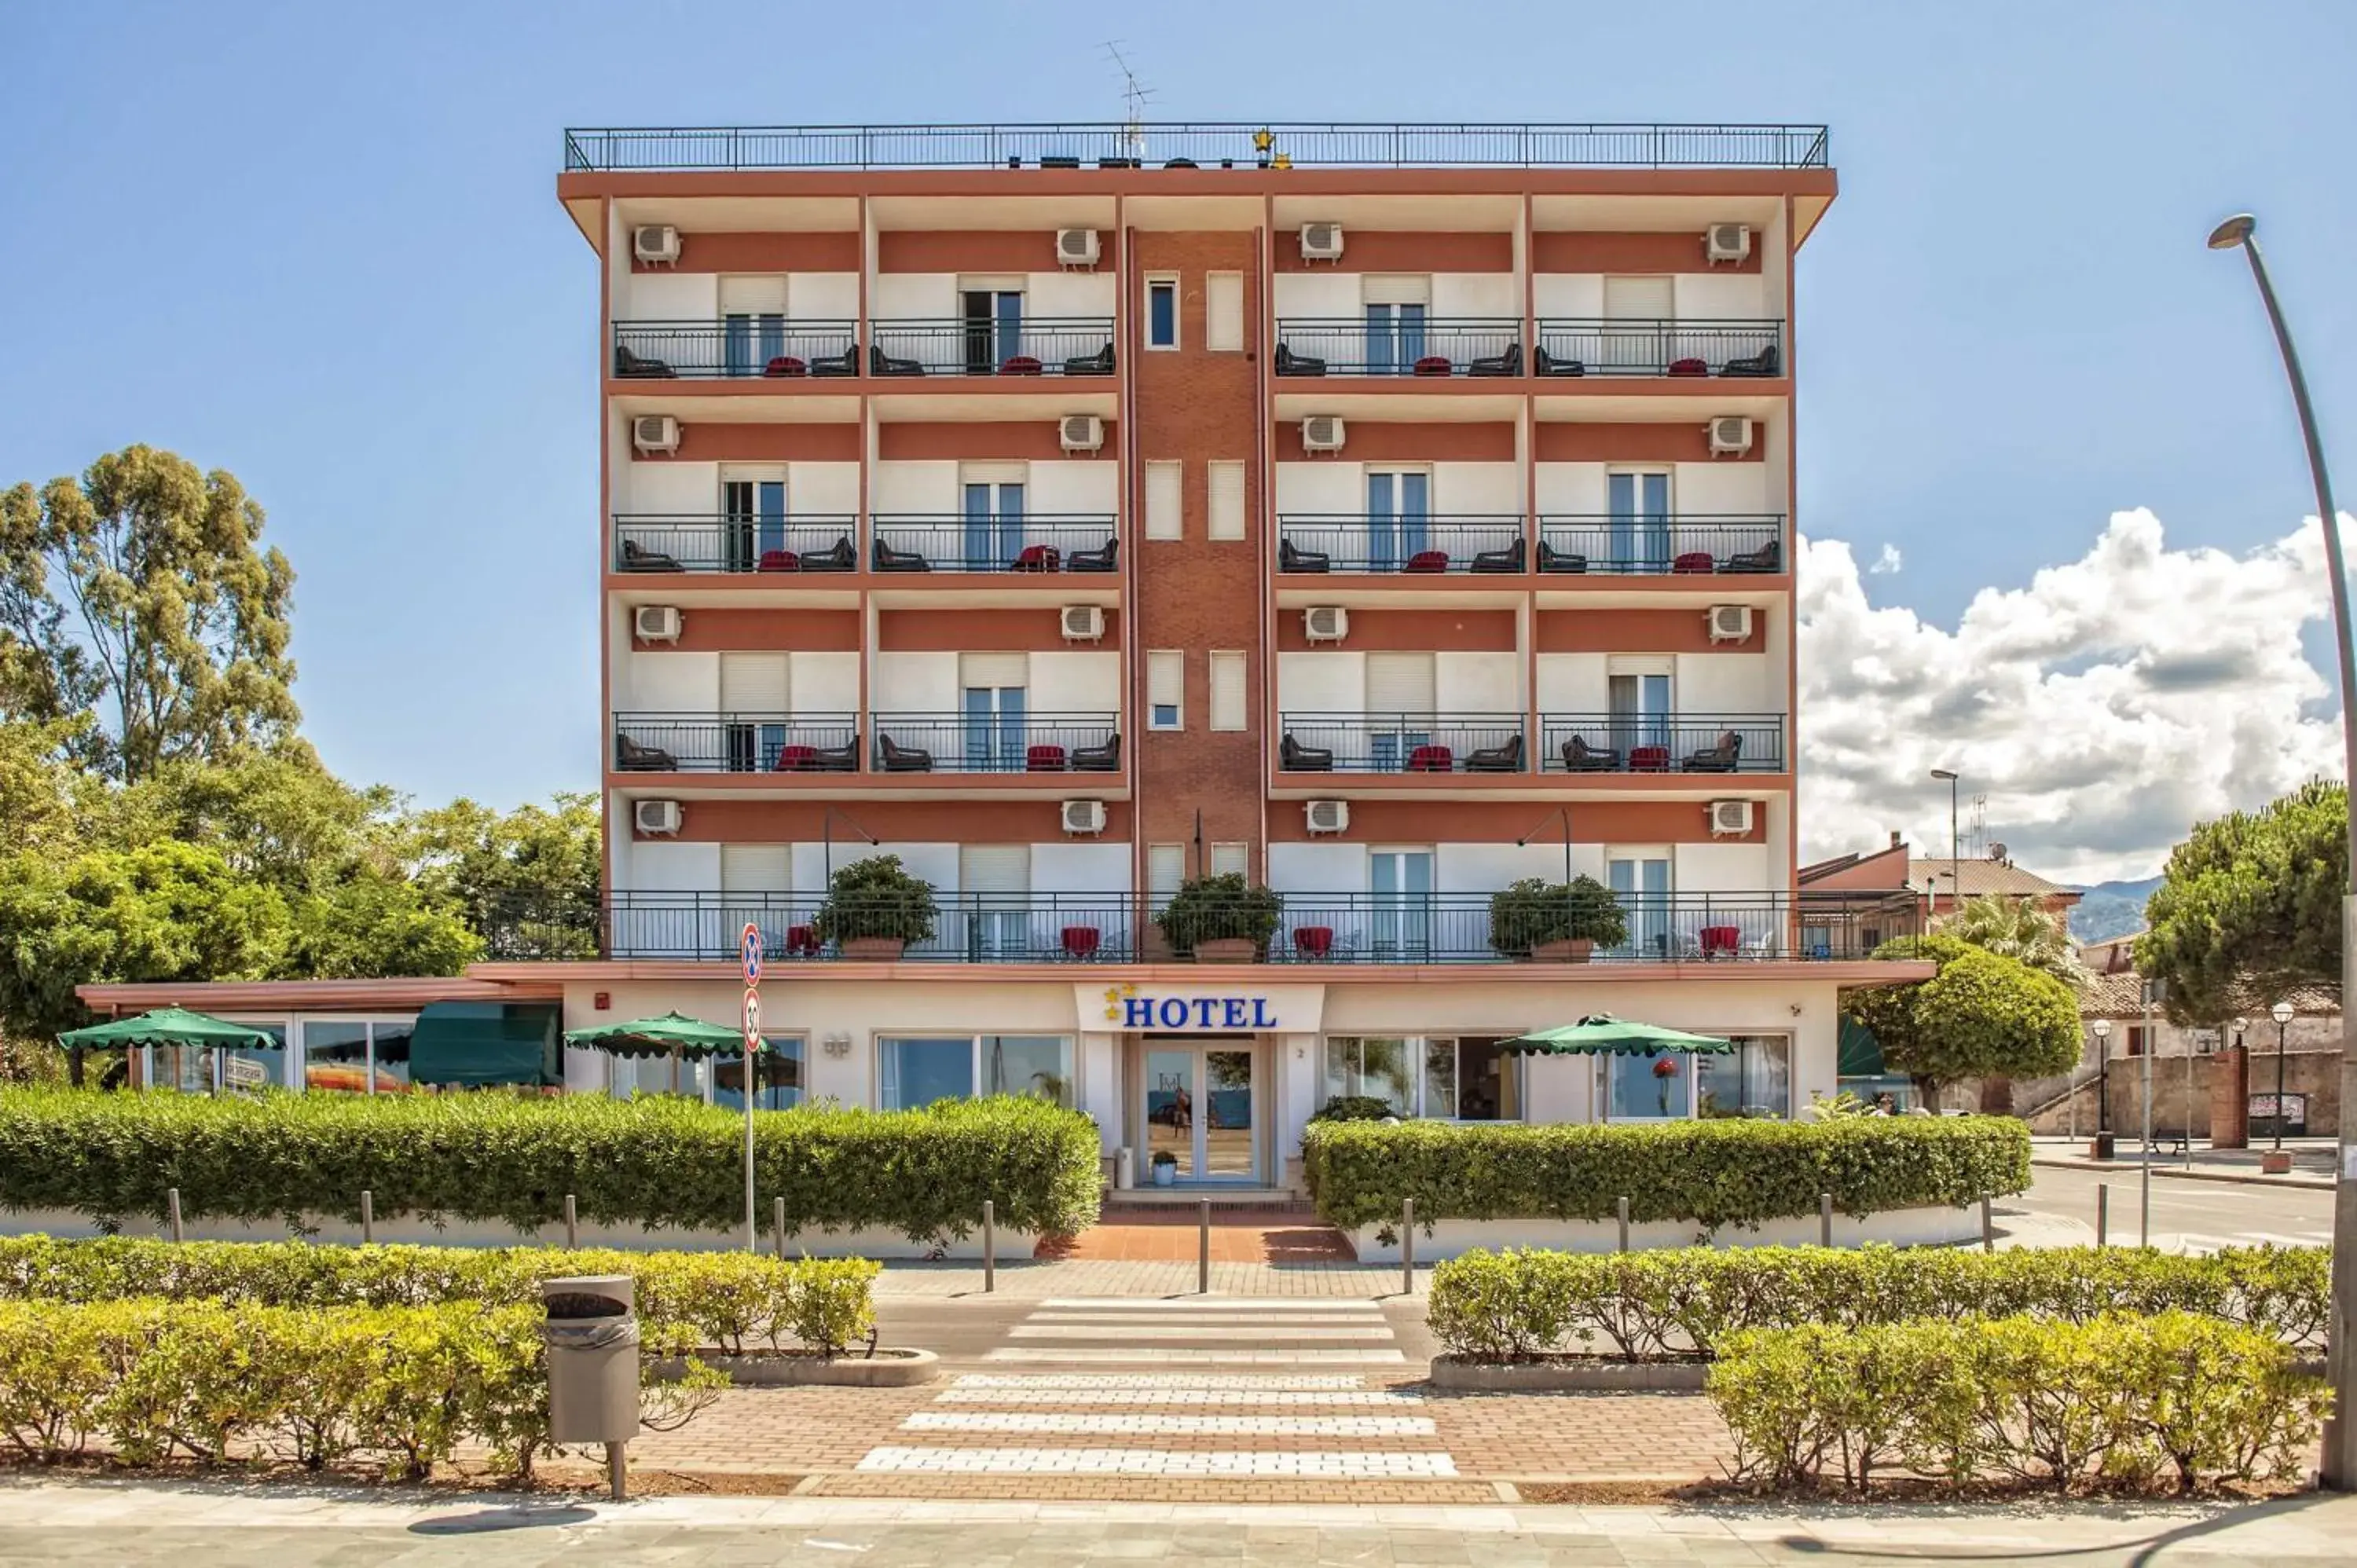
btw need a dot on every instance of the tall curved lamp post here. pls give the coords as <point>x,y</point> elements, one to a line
<point>2281,1012</point>
<point>2340,1467</point>
<point>2101,1029</point>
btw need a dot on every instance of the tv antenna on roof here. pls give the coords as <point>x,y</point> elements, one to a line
<point>1134,96</point>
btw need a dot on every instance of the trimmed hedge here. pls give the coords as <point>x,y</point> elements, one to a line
<point>2131,1400</point>
<point>1712,1173</point>
<point>716,1299</point>
<point>1514,1305</point>
<point>653,1161</point>
<point>404,1384</point>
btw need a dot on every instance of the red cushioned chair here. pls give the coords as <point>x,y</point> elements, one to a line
<point>1081,941</point>
<point>1044,760</point>
<point>785,365</point>
<point>1689,366</point>
<point>1431,759</point>
<point>1039,558</point>
<point>1313,942</point>
<point>801,941</point>
<point>1025,365</point>
<point>797,758</point>
<point>1428,561</point>
<point>1721,940</point>
<point>780,561</point>
<point>1649,759</point>
<point>1432,365</point>
<point>1693,563</point>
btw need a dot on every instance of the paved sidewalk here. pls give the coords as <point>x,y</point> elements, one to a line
<point>196,1526</point>
<point>2311,1158</point>
<point>1030,1279</point>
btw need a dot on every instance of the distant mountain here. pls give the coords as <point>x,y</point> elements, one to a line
<point>2110,909</point>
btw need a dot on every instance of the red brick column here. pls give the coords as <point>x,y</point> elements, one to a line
<point>2230,1099</point>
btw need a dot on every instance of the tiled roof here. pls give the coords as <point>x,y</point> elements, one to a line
<point>1975,877</point>
<point>2121,995</point>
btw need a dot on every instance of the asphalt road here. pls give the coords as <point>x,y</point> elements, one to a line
<point>2187,1216</point>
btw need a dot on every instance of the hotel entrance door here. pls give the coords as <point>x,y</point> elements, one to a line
<point>1201,1109</point>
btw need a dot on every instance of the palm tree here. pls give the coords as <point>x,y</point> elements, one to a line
<point>2018,929</point>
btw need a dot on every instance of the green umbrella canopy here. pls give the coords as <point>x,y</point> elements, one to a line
<point>659,1038</point>
<point>1600,1033</point>
<point>170,1027</point>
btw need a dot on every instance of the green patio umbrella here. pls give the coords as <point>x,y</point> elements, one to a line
<point>1600,1034</point>
<point>659,1038</point>
<point>170,1027</point>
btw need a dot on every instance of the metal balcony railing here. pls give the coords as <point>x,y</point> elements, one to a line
<point>1696,544</point>
<point>1033,541</point>
<point>1356,541</point>
<point>1403,743</point>
<point>664,542</point>
<point>1592,347</point>
<point>997,742</point>
<point>1038,345</point>
<point>1198,143</point>
<point>1639,743</point>
<point>746,346</point>
<point>736,743</point>
<point>1313,927</point>
<point>1434,346</point>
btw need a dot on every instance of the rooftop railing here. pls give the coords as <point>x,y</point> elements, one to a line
<point>1199,145</point>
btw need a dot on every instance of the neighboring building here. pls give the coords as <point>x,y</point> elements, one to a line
<point>1071,526</point>
<point>1931,888</point>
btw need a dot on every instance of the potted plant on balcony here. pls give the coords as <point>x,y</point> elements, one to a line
<point>1220,919</point>
<point>1554,921</point>
<point>875,909</point>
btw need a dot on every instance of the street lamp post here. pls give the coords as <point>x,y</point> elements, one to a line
<point>2101,1029</point>
<point>2281,1012</point>
<point>1955,844</point>
<point>2340,1466</point>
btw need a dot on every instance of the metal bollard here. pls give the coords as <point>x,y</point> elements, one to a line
<point>1407,1246</point>
<point>571,1225</point>
<point>778,1224</point>
<point>2103,1214</point>
<point>1825,1219</point>
<point>1988,1228</point>
<point>1621,1204</point>
<point>989,1246</point>
<point>172,1211</point>
<point>1203,1251</point>
<point>368,1218</point>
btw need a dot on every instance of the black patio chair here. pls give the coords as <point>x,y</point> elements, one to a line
<point>1579,756</point>
<point>1509,363</point>
<point>880,363</point>
<point>1554,560</point>
<point>1546,364</point>
<point>1506,758</point>
<point>898,758</point>
<point>839,556</point>
<point>1097,364</point>
<point>1767,363</point>
<point>1106,758</point>
<point>1512,558</point>
<point>638,367</point>
<point>1720,758</point>
<point>1105,559</point>
<point>630,757</point>
<point>844,364</point>
<point>637,557</point>
<point>1291,557</point>
<point>890,560</point>
<point>1292,756</point>
<point>843,759</point>
<point>1289,363</point>
<point>1768,557</point>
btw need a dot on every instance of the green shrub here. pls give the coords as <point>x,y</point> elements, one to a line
<point>655,1162</point>
<point>2122,1397</point>
<point>877,896</point>
<point>1220,908</point>
<point>1637,1306</point>
<point>832,1303</point>
<point>1355,1108</point>
<point>1709,1173</point>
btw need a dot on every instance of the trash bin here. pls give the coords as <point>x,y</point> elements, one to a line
<point>1124,1169</point>
<point>591,1335</point>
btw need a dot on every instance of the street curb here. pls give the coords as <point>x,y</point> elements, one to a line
<point>2179,1173</point>
<point>1585,1375</point>
<point>889,1368</point>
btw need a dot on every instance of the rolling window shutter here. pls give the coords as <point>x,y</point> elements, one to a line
<point>1412,288</point>
<point>1231,860</point>
<point>993,670</point>
<point>754,683</point>
<point>995,868</point>
<point>1223,312</point>
<point>753,296</point>
<point>755,868</point>
<point>1165,868</point>
<point>1163,518</point>
<point>1165,675</point>
<point>1227,498</point>
<point>1227,691</point>
<point>1400,683</point>
<point>1637,299</point>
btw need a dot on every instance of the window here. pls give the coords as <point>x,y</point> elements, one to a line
<point>1395,308</point>
<point>1648,1088</point>
<point>248,1072</point>
<point>1164,516</point>
<point>1640,879</point>
<point>1376,1068</point>
<point>1165,868</point>
<point>1438,1076</point>
<point>1399,883</point>
<point>1166,681</point>
<point>917,1071</point>
<point>1037,1067</point>
<point>995,884</point>
<point>1640,337</point>
<point>1231,860</point>
<point>994,703</point>
<point>992,508</point>
<point>1162,312</point>
<point>1641,712</point>
<point>778,1076</point>
<point>1399,507</point>
<point>993,326</point>
<point>1225,514</point>
<point>753,318</point>
<point>754,702</point>
<point>1227,691</point>
<point>1223,312</point>
<point>356,1055</point>
<point>1638,503</point>
<point>1754,1079</point>
<point>754,501</point>
<point>1402,698</point>
<point>2136,1039</point>
<point>914,1073</point>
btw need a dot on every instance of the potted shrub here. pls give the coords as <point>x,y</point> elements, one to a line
<point>1556,921</point>
<point>1220,919</point>
<point>875,908</point>
<point>1166,1167</point>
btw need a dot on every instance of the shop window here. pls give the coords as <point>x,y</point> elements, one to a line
<point>778,1076</point>
<point>1649,1088</point>
<point>1753,1079</point>
<point>914,1073</point>
<point>1037,1067</point>
<point>1441,1077</point>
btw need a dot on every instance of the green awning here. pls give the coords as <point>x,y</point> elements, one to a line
<point>472,1045</point>
<point>1600,1033</point>
<point>170,1027</point>
<point>1861,1053</point>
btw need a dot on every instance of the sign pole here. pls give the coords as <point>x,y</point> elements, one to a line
<point>750,946</point>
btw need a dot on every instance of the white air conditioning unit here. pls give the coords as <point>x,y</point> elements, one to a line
<point>1730,818</point>
<point>1082,432</point>
<point>660,818</point>
<point>1076,247</point>
<point>1328,816</point>
<point>1321,241</point>
<point>656,243</point>
<point>1730,435</point>
<point>655,623</point>
<point>1728,242</point>
<point>1325,623</point>
<point>652,432</point>
<point>1085,816</point>
<point>1321,433</point>
<point>1730,623</point>
<point>1082,623</point>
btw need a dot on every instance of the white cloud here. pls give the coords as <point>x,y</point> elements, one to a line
<point>1887,563</point>
<point>2103,710</point>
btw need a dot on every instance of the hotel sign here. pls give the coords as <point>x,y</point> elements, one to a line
<point>1131,1009</point>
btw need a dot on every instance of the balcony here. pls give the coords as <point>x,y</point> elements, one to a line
<point>1730,929</point>
<point>686,541</point>
<point>1642,744</point>
<point>1689,544</point>
<point>1077,346</point>
<point>1199,145</point>
<point>736,743</point>
<point>998,743</point>
<point>743,347</point>
<point>1436,347</point>
<point>1314,541</point>
<point>1403,743</point>
<point>1033,541</point>
<point>1575,345</point>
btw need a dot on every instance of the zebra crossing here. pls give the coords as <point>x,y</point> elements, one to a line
<point>1298,1415</point>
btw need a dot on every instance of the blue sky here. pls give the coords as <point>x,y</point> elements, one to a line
<point>319,246</point>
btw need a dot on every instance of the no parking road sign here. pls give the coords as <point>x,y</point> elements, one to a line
<point>749,947</point>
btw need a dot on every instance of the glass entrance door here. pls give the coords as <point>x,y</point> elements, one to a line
<point>1201,1110</point>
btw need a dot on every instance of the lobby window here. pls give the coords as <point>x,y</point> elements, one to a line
<point>1753,1079</point>
<point>1037,1067</point>
<point>1438,1076</point>
<point>915,1071</point>
<point>1162,312</point>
